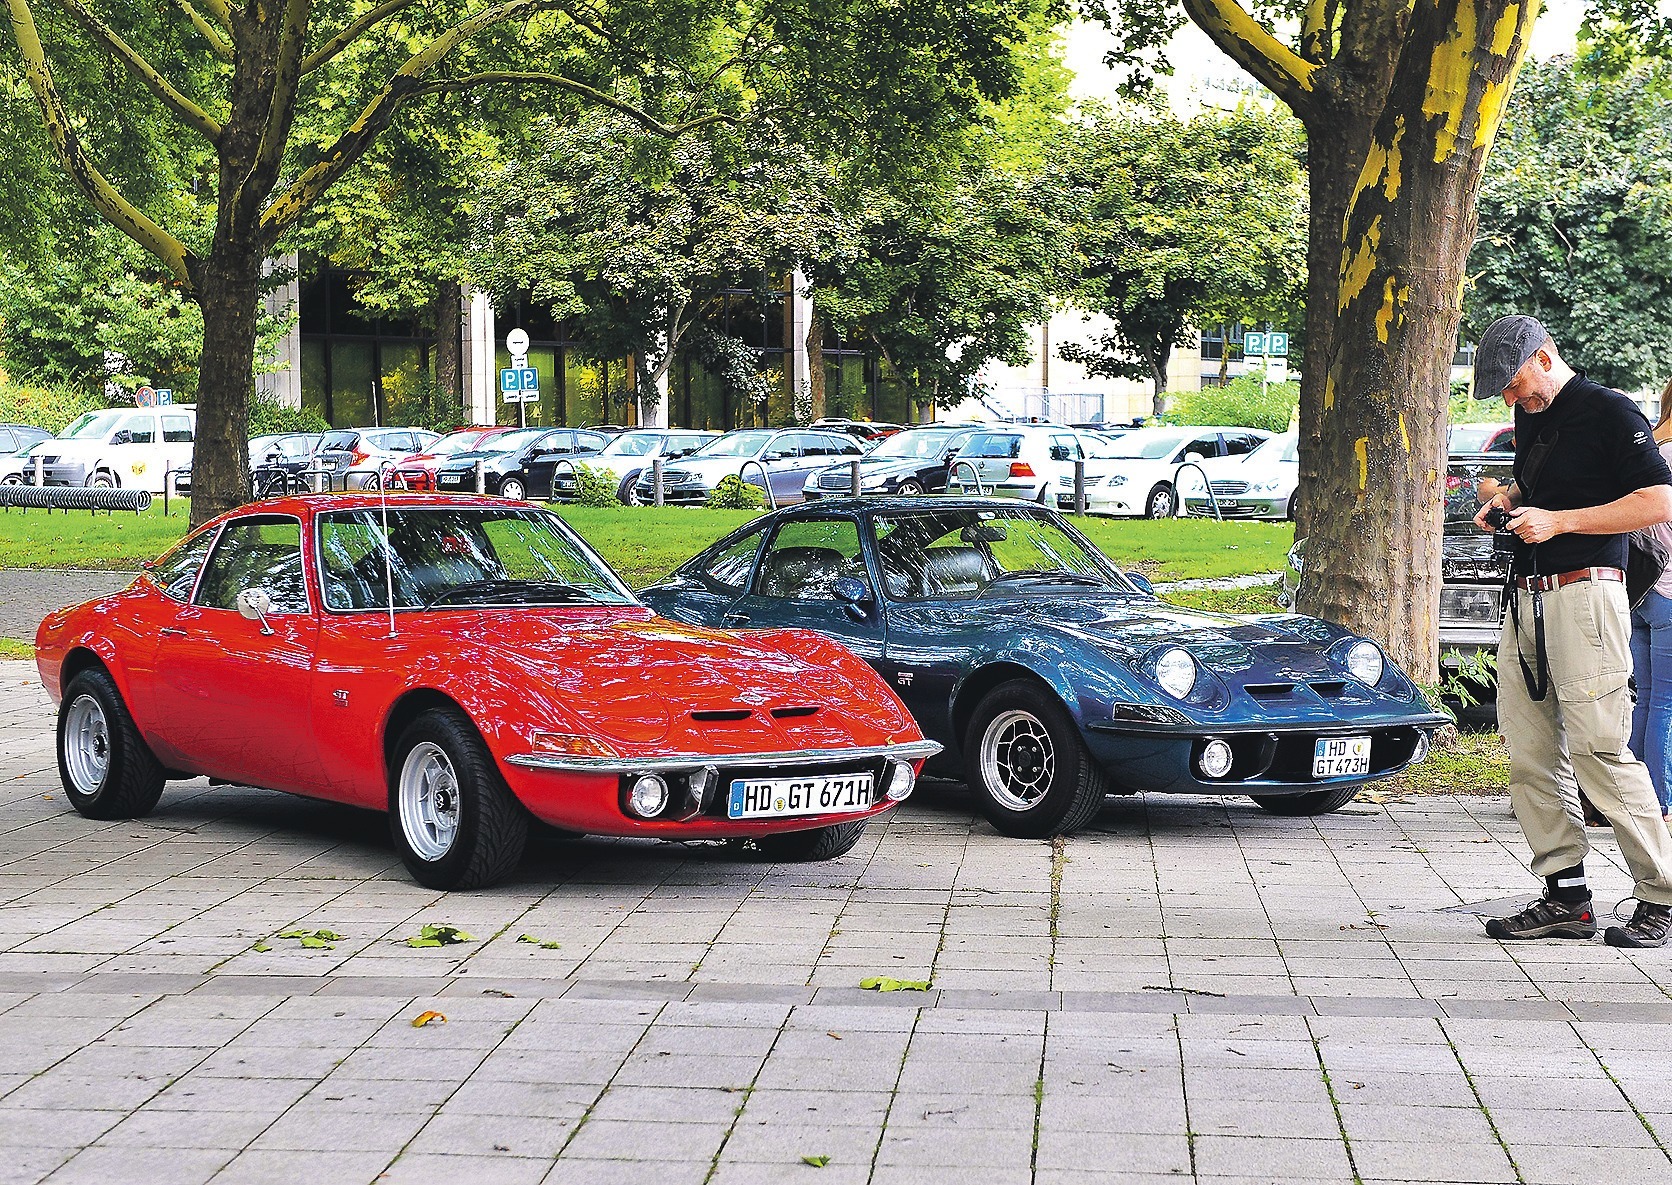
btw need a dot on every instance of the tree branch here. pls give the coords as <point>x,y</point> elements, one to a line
<point>116,209</point>
<point>189,112</point>
<point>281,109</point>
<point>336,44</point>
<point>1314,32</point>
<point>559,82</point>
<point>1248,43</point>
<point>218,44</point>
<point>222,12</point>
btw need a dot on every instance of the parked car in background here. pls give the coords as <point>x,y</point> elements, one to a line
<point>119,447</point>
<point>1136,474</point>
<point>417,471</point>
<point>278,464</point>
<point>630,453</point>
<point>355,458</point>
<point>15,468</point>
<point>1473,574</point>
<point>520,463</point>
<point>1050,677</point>
<point>1465,439</point>
<point>1023,461</point>
<point>16,436</point>
<point>786,455</point>
<point>466,666</point>
<point>912,461</point>
<point>1258,484</point>
<point>859,429</point>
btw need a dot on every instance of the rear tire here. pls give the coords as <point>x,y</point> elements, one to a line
<point>1031,772</point>
<point>909,489</point>
<point>1161,503</point>
<point>107,769</point>
<point>513,489</point>
<point>1318,802</point>
<point>453,819</point>
<point>823,843</point>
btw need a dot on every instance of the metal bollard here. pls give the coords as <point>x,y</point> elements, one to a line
<point>656,478</point>
<point>853,477</point>
<point>40,470</point>
<point>481,480</point>
<point>1080,486</point>
<point>168,480</point>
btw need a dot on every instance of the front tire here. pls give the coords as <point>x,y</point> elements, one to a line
<point>103,480</point>
<point>1317,802</point>
<point>454,821</point>
<point>1161,503</point>
<point>1032,774</point>
<point>108,770</point>
<point>628,494</point>
<point>909,489</point>
<point>822,843</point>
<point>513,489</point>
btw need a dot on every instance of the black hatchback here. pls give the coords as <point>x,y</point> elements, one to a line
<point>518,464</point>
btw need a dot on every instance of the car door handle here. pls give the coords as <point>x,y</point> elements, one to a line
<point>170,630</point>
<point>735,619</point>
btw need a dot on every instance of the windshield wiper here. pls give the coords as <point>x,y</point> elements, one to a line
<point>1043,574</point>
<point>554,589</point>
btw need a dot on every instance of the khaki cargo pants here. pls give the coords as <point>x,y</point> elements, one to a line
<point>1579,731</point>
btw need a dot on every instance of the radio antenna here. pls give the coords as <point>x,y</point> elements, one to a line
<point>388,553</point>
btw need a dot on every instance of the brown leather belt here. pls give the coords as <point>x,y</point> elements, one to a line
<point>1562,579</point>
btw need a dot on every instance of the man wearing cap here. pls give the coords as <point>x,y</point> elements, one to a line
<point>1587,472</point>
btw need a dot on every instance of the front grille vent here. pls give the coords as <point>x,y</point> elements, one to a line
<point>787,713</point>
<point>1223,489</point>
<point>1268,690</point>
<point>721,714</point>
<point>1329,687</point>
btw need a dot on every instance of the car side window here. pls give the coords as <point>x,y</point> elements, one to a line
<point>1239,443</point>
<point>993,444</point>
<point>781,447</point>
<point>262,551</point>
<point>141,429</point>
<point>808,556</point>
<point>589,442</point>
<point>732,565</point>
<point>176,573</point>
<point>1065,448</point>
<point>177,429</point>
<point>844,446</point>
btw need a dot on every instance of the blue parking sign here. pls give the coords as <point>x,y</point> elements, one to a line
<point>1253,344</point>
<point>510,379</point>
<point>530,378</point>
<point>1277,344</point>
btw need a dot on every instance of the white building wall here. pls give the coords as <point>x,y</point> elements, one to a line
<point>284,385</point>
<point>480,367</point>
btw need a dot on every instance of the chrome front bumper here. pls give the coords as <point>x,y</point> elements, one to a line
<point>904,751</point>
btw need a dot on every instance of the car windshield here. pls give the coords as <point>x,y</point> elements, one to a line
<point>1471,438</point>
<point>632,444</point>
<point>921,445</point>
<point>458,442</point>
<point>961,554</point>
<point>734,444</point>
<point>94,425</point>
<point>459,557</point>
<point>1470,483</point>
<point>1145,448</point>
<point>294,448</point>
<point>343,441</point>
<point>1275,448</point>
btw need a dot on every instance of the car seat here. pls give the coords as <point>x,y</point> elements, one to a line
<point>801,572</point>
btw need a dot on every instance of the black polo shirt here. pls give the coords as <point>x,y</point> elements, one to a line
<point>1603,450</point>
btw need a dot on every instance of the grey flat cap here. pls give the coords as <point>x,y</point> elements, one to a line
<point>1504,348</point>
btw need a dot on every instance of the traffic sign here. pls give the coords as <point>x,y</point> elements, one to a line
<point>1277,370</point>
<point>1253,344</point>
<point>145,397</point>
<point>520,384</point>
<point>517,341</point>
<point>165,396</point>
<point>1277,344</point>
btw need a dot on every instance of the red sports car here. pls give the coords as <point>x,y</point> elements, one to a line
<point>417,471</point>
<point>464,664</point>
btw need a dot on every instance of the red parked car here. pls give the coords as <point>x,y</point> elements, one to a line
<point>417,472</point>
<point>515,677</point>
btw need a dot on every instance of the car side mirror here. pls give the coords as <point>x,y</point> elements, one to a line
<point>775,455</point>
<point>1141,581</point>
<point>855,596</point>
<point>255,604</point>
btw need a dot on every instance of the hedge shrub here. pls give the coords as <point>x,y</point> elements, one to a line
<point>733,493</point>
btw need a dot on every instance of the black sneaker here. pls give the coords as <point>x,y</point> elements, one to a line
<point>1649,926</point>
<point>1545,918</point>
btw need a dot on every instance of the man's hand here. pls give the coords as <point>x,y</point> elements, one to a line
<point>1532,525</point>
<point>1500,501</point>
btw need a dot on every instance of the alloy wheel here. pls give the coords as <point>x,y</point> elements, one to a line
<point>428,798</point>
<point>1018,759</point>
<point>86,744</point>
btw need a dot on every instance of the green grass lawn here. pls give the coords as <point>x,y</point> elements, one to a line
<point>645,543</point>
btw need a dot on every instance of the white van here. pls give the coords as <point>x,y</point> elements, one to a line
<point>128,448</point>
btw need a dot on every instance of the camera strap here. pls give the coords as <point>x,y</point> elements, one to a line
<point>1538,683</point>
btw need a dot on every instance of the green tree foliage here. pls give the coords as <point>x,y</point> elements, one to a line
<point>1191,222</point>
<point>1244,400</point>
<point>1576,216</point>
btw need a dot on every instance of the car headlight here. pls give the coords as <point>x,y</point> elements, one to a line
<point>1116,480</point>
<point>1175,670</point>
<point>1264,487</point>
<point>1364,660</point>
<point>1466,605</point>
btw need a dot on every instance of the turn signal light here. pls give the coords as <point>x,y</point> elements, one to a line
<point>569,745</point>
<point>1020,469</point>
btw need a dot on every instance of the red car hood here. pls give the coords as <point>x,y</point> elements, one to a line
<point>669,687</point>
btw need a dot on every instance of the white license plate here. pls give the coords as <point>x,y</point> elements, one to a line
<point>772,798</point>
<point>1341,757</point>
<point>452,481</point>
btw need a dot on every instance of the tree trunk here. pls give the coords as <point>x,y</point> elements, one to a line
<point>1158,376</point>
<point>449,367</point>
<point>229,290</point>
<point>815,364</point>
<point>1381,427</point>
<point>1224,354</point>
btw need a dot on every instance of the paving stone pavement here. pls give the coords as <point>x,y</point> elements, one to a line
<point>1189,990</point>
<point>29,594</point>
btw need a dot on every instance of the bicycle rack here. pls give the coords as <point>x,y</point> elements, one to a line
<point>551,494</point>
<point>958,463</point>
<point>766,481</point>
<point>1212,501</point>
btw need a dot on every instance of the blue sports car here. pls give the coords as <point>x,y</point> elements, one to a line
<point>1051,677</point>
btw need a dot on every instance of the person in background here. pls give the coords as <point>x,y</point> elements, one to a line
<point>1651,653</point>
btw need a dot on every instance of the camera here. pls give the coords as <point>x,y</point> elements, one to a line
<point>1503,539</point>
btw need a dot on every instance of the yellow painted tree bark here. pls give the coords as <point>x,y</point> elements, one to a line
<point>1401,101</point>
